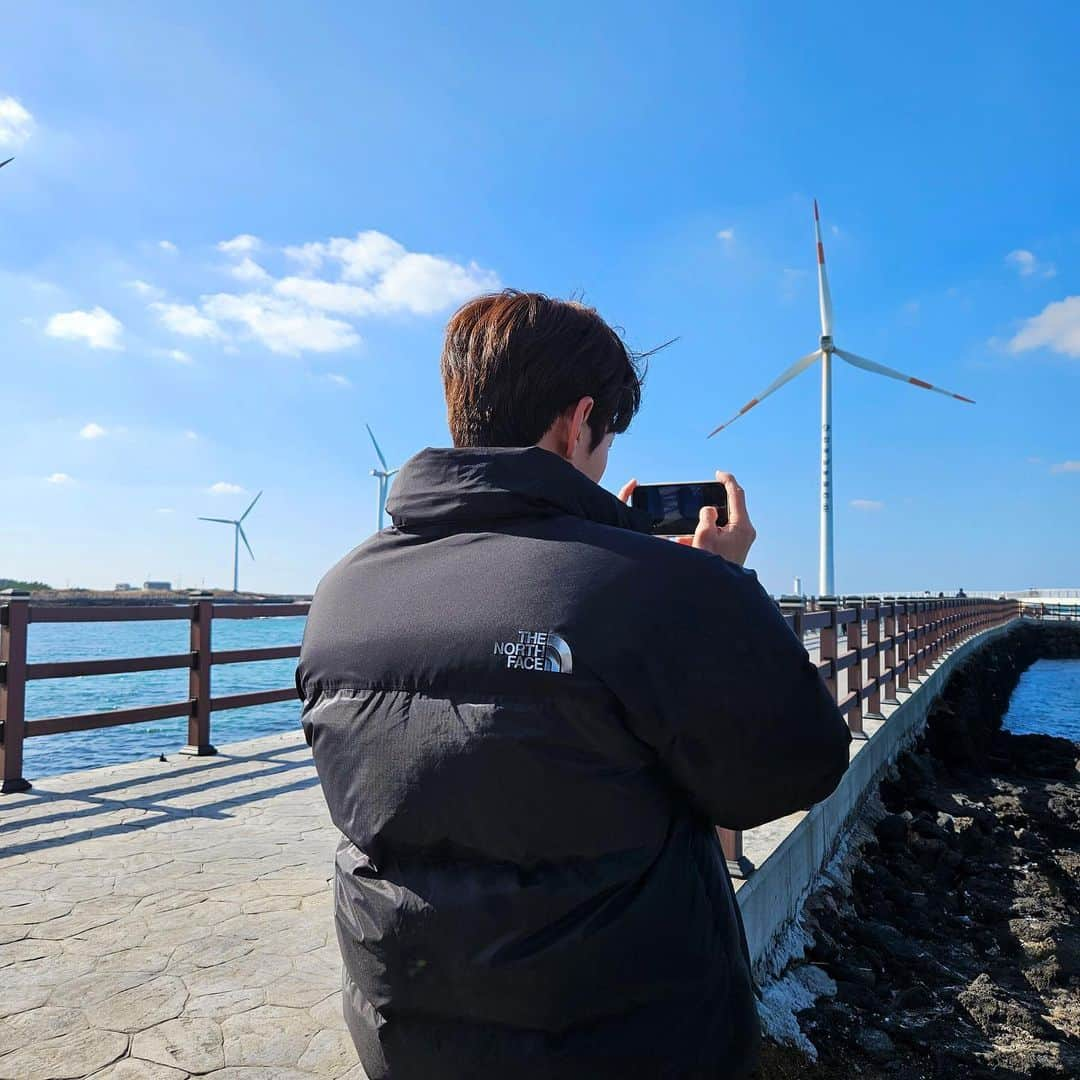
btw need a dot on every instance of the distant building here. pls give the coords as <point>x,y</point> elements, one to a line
<point>122,586</point>
<point>158,586</point>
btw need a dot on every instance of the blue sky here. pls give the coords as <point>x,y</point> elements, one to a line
<point>233,232</point>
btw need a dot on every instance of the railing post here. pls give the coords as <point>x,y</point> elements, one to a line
<point>202,618</point>
<point>891,628</point>
<point>918,660</point>
<point>827,650</point>
<point>854,673</point>
<point>14,620</point>
<point>873,663</point>
<point>738,864</point>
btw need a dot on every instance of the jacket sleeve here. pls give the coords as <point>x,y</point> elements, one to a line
<point>726,695</point>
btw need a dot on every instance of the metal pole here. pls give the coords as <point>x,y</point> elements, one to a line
<point>825,569</point>
<point>236,559</point>
<point>14,619</point>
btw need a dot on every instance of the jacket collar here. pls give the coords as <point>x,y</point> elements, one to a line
<point>472,485</point>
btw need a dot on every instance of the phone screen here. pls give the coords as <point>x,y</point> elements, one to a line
<point>673,508</point>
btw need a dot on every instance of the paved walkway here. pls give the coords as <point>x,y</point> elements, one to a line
<point>167,919</point>
<point>170,919</point>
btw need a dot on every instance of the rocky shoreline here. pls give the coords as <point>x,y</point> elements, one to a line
<point>948,945</point>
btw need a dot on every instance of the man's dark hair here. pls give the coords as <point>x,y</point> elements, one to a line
<point>513,362</point>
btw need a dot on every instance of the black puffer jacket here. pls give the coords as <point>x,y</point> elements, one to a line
<point>526,717</point>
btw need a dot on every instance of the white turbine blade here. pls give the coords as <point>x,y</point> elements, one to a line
<point>376,445</point>
<point>240,529</point>
<point>797,368</point>
<point>881,369</point>
<point>224,521</point>
<point>250,508</point>
<point>824,297</point>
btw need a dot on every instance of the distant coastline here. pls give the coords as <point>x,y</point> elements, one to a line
<point>107,597</point>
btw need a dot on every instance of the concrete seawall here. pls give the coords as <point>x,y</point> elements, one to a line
<point>791,853</point>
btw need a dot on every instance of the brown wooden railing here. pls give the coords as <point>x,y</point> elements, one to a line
<point>16,614</point>
<point>869,650</point>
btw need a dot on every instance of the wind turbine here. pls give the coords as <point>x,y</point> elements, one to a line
<point>8,162</point>
<point>383,475</point>
<point>826,350</point>
<point>239,535</point>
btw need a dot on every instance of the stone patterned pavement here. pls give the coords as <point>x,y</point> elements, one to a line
<point>162,920</point>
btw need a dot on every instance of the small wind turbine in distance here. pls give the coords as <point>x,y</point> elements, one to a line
<point>383,476</point>
<point>826,350</point>
<point>238,535</point>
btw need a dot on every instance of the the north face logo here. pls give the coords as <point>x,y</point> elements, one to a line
<point>536,650</point>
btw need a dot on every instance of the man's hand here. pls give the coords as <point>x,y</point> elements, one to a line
<point>732,540</point>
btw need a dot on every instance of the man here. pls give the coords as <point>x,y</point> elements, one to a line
<point>527,716</point>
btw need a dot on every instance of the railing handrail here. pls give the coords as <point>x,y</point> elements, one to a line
<point>18,611</point>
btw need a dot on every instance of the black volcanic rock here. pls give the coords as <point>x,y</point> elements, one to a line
<point>957,952</point>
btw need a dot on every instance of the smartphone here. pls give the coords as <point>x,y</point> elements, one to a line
<point>673,508</point>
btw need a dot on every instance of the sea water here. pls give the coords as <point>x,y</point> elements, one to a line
<point>1046,701</point>
<point>46,755</point>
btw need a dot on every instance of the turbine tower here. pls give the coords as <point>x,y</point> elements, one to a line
<point>826,350</point>
<point>238,535</point>
<point>383,476</point>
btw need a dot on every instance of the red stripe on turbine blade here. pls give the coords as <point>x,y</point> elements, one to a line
<point>748,406</point>
<point>919,382</point>
<point>820,254</point>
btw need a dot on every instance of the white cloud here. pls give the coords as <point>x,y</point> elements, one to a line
<point>193,435</point>
<point>1027,264</point>
<point>60,478</point>
<point>362,258</point>
<point>867,504</point>
<point>146,290</point>
<point>248,270</point>
<point>1056,327</point>
<point>243,244</point>
<point>387,277</point>
<point>167,245</point>
<point>178,355</point>
<point>92,431</point>
<point>1065,466</point>
<point>96,327</point>
<point>164,510</point>
<point>340,280</point>
<point>186,319</point>
<point>425,284</point>
<point>282,325</point>
<point>16,123</point>
<point>727,235</point>
<point>335,296</point>
<point>339,380</point>
<point>222,487</point>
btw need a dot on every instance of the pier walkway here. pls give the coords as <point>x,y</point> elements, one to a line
<point>166,919</point>
<point>173,918</point>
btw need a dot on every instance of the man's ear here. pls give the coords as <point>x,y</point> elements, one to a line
<point>579,424</point>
